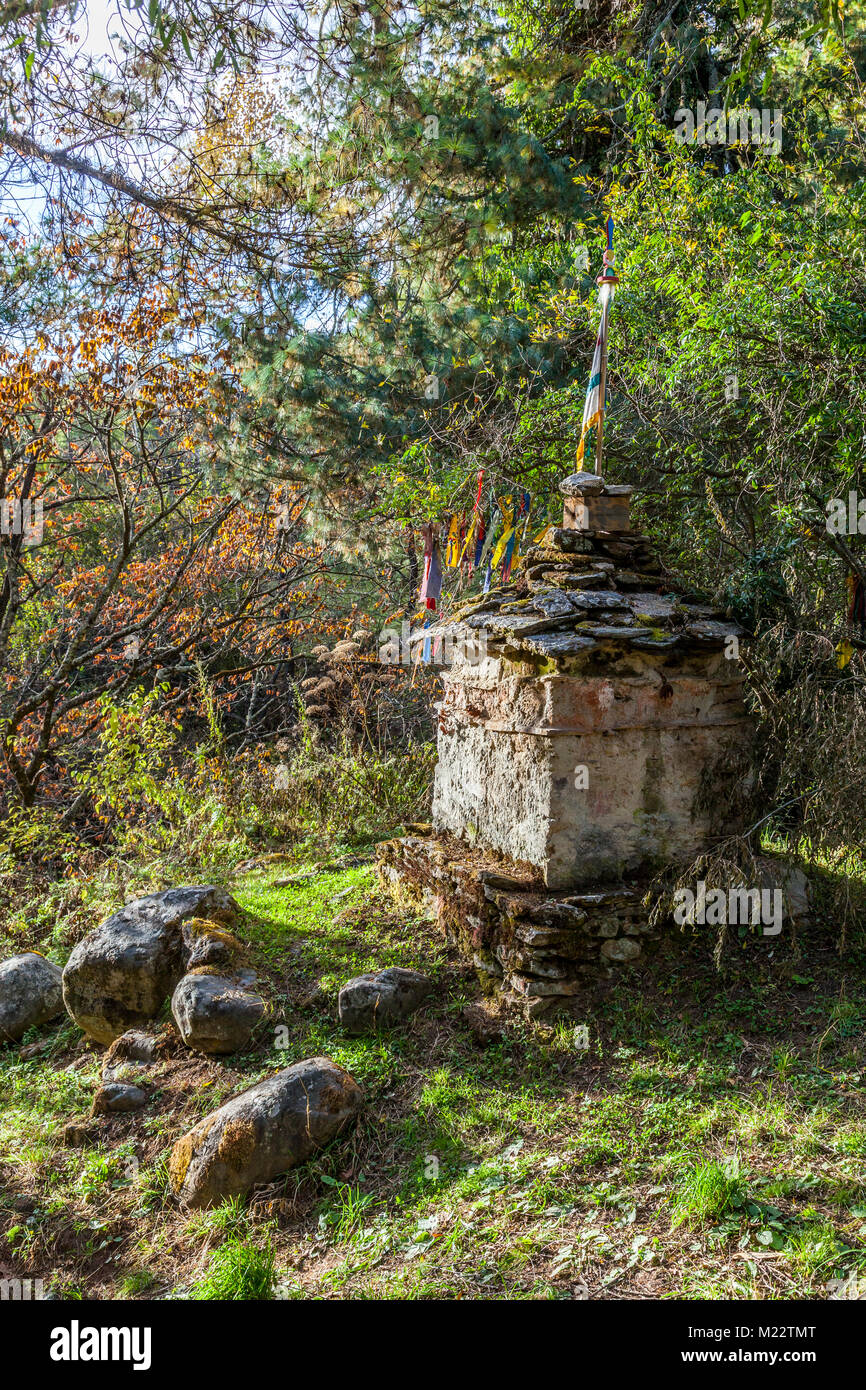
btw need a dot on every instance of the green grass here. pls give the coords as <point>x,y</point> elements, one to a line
<point>313,921</point>
<point>710,1190</point>
<point>343,1214</point>
<point>229,1218</point>
<point>139,1281</point>
<point>239,1271</point>
<point>526,1169</point>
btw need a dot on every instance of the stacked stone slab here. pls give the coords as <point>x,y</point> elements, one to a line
<point>541,949</point>
<point>592,727</point>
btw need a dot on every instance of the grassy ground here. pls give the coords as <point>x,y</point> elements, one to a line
<point>709,1142</point>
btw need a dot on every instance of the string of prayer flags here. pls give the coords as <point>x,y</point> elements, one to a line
<point>470,537</point>
<point>487,557</point>
<point>497,521</point>
<point>484,535</point>
<point>490,537</point>
<point>479,542</point>
<point>511,549</point>
<point>493,534</point>
<point>468,547</point>
<point>521,544</point>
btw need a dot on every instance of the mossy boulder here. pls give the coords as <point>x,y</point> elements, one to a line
<point>216,1013</point>
<point>264,1132</point>
<point>208,943</point>
<point>121,974</point>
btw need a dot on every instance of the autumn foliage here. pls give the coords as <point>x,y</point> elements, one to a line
<point>140,570</point>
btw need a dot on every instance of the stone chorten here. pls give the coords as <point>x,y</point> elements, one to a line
<point>605,698</point>
<point>591,729</point>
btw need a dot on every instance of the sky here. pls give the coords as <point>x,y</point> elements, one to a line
<point>101,21</point>
<point>96,27</point>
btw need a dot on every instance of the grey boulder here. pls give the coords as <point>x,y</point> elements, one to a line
<point>114,1096</point>
<point>217,1013</point>
<point>776,873</point>
<point>264,1132</point>
<point>30,994</point>
<point>135,1046</point>
<point>381,998</point>
<point>120,974</point>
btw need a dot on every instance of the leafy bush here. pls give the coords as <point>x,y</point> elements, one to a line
<point>351,793</point>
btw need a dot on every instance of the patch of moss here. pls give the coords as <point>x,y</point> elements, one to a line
<point>179,1160</point>
<point>237,1144</point>
<point>199,927</point>
<point>185,1149</point>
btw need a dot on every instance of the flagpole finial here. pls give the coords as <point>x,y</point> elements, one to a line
<point>608,275</point>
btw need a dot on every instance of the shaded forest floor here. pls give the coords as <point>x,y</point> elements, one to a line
<point>709,1143</point>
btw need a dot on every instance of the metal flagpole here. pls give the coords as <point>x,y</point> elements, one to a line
<point>605,282</point>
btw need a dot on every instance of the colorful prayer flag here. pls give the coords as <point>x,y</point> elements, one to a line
<point>592,407</point>
<point>431,584</point>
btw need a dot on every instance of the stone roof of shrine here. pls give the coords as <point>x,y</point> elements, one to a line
<point>584,589</point>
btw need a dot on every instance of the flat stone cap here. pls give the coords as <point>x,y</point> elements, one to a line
<point>581,485</point>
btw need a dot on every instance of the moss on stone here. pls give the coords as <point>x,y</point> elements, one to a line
<point>185,1149</point>
<point>179,1160</point>
<point>198,927</point>
<point>237,1144</point>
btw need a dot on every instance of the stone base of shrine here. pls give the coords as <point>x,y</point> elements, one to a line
<point>542,950</point>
